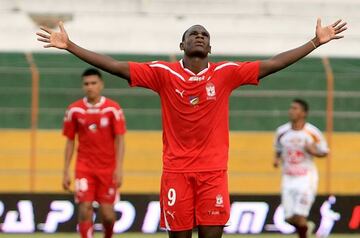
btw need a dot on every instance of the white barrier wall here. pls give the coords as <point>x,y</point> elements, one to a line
<point>252,27</point>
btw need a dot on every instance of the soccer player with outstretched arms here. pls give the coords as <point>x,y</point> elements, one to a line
<point>194,97</point>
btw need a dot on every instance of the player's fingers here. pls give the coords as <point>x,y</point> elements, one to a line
<point>61,27</point>
<point>46,29</point>
<point>48,45</point>
<point>338,37</point>
<point>336,23</point>
<point>318,22</point>
<point>42,35</point>
<point>340,26</point>
<point>341,30</point>
<point>43,40</point>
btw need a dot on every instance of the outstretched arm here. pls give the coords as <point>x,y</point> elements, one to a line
<point>283,60</point>
<point>61,40</point>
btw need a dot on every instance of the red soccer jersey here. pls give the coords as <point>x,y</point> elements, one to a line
<point>96,126</point>
<point>195,110</point>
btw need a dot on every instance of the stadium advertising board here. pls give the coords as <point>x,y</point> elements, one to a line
<point>26,213</point>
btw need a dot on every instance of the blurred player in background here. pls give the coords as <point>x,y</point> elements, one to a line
<point>296,143</point>
<point>99,125</point>
<point>194,97</point>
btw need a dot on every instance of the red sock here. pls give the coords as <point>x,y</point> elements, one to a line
<point>108,229</point>
<point>86,229</point>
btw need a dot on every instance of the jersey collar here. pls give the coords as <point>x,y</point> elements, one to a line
<point>101,102</point>
<point>192,73</point>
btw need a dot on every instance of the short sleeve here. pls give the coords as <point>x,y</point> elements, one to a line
<point>143,75</point>
<point>245,73</point>
<point>69,125</point>
<point>277,145</point>
<point>321,143</point>
<point>119,122</point>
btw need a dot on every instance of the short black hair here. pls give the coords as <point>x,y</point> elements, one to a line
<point>183,36</point>
<point>304,105</point>
<point>91,71</point>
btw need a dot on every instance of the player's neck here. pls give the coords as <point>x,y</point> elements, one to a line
<point>93,101</point>
<point>195,64</point>
<point>298,125</point>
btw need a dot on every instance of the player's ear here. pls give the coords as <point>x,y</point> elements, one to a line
<point>181,46</point>
<point>209,49</point>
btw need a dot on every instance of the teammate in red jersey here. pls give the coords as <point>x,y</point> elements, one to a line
<point>100,126</point>
<point>194,97</point>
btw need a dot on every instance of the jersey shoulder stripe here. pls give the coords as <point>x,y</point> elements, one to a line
<point>313,131</point>
<point>118,113</point>
<point>69,113</point>
<point>225,65</point>
<point>166,67</point>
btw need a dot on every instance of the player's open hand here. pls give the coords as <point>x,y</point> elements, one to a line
<point>330,32</point>
<point>66,181</point>
<point>55,39</point>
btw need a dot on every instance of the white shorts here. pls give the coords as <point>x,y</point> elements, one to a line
<point>298,195</point>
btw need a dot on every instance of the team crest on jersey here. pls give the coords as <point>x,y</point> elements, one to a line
<point>219,201</point>
<point>210,91</point>
<point>104,122</point>
<point>194,100</point>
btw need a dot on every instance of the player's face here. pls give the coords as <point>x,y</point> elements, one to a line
<point>296,112</point>
<point>92,86</point>
<point>196,42</point>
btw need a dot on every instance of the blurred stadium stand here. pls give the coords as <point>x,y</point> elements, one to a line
<point>259,27</point>
<point>152,30</point>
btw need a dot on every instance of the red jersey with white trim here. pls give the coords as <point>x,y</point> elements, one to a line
<point>195,109</point>
<point>96,126</point>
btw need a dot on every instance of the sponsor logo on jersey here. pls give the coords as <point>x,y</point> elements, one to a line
<point>104,122</point>
<point>210,91</point>
<point>295,141</point>
<point>219,201</point>
<point>196,78</point>
<point>194,100</point>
